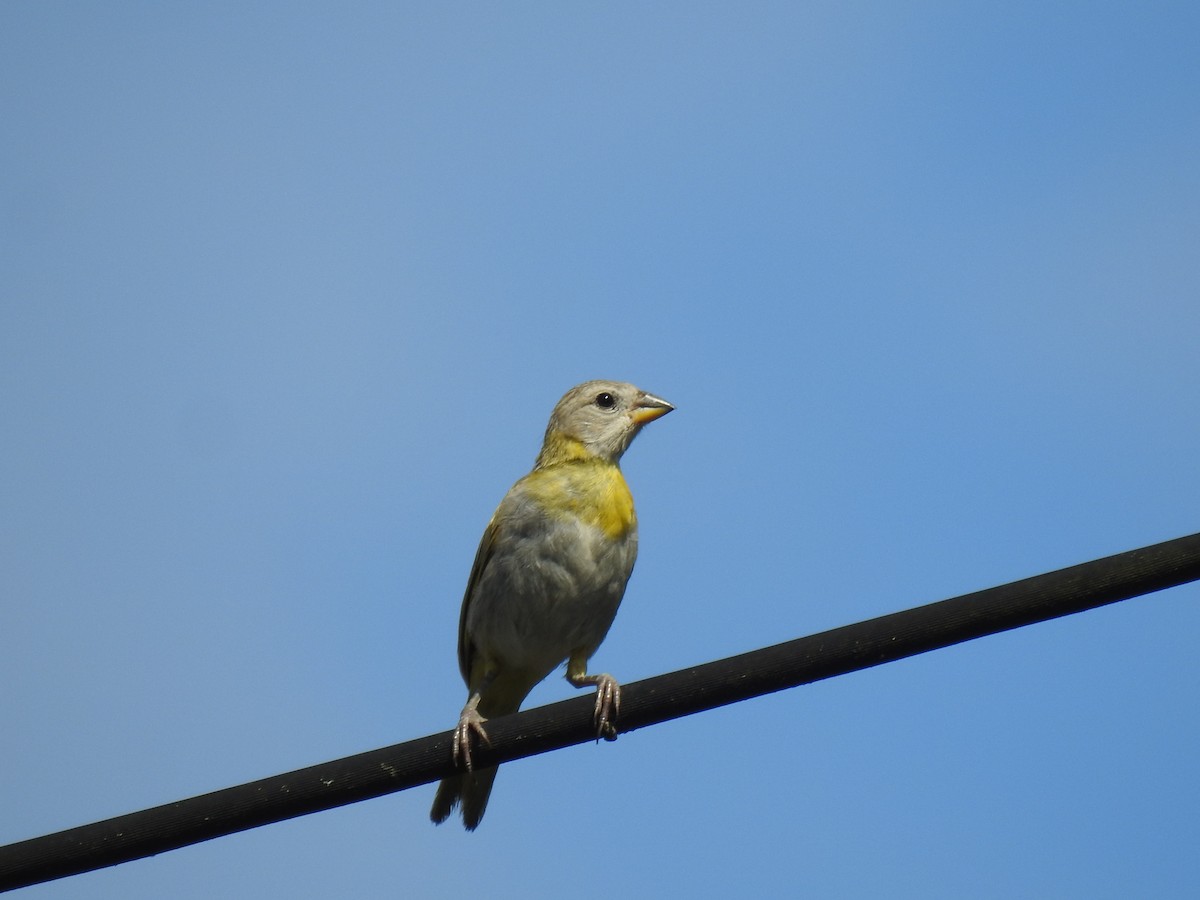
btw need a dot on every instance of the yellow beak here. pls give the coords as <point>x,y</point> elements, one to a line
<point>649,408</point>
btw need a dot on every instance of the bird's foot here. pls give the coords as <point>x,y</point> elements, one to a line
<point>608,702</point>
<point>470,722</point>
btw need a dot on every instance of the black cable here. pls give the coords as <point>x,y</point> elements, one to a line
<point>658,699</point>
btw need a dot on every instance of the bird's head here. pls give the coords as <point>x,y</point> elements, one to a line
<point>598,420</point>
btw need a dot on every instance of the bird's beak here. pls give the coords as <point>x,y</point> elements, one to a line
<point>649,408</point>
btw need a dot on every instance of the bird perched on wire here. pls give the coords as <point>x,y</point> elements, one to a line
<point>548,576</point>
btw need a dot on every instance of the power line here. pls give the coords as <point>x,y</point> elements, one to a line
<point>659,699</point>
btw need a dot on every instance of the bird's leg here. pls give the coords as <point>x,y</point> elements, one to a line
<point>608,696</point>
<point>469,721</point>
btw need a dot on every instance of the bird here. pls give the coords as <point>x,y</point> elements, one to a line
<point>548,576</point>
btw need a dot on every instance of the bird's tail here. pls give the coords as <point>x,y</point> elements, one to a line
<point>470,789</point>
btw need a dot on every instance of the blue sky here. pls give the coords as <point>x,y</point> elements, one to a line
<point>287,292</point>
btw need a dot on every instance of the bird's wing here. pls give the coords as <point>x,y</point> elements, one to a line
<point>486,545</point>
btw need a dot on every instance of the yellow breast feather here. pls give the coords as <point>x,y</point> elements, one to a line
<point>588,489</point>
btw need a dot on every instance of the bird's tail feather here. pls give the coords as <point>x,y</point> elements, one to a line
<point>470,789</point>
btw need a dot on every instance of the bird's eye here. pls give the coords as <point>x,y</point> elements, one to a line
<point>605,400</point>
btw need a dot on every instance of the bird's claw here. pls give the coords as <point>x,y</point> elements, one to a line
<point>470,721</point>
<point>608,705</point>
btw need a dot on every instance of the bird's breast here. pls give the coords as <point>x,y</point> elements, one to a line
<point>594,494</point>
<point>567,541</point>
